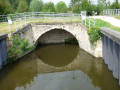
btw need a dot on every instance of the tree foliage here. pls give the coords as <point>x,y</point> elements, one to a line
<point>5,7</point>
<point>49,7</point>
<point>36,5</point>
<point>61,7</point>
<point>23,6</point>
<point>115,5</point>
<point>82,5</point>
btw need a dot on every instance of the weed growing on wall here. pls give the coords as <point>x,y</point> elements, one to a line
<point>71,41</point>
<point>19,47</point>
<point>94,34</point>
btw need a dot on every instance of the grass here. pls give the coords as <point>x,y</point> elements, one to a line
<point>117,17</point>
<point>100,23</point>
<point>4,28</point>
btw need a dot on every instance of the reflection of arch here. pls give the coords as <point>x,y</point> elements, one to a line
<point>64,56</point>
<point>60,29</point>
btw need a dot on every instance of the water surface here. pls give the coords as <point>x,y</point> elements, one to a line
<point>58,67</point>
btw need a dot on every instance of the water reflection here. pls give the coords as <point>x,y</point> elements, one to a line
<point>35,72</point>
<point>57,55</point>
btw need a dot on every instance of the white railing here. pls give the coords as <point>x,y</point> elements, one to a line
<point>26,17</point>
<point>111,12</point>
<point>88,22</point>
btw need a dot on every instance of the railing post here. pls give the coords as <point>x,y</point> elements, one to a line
<point>15,25</point>
<point>25,19</point>
<point>89,23</point>
<point>118,12</point>
<point>9,28</point>
<point>29,19</point>
<point>82,21</point>
<point>20,23</point>
<point>85,21</point>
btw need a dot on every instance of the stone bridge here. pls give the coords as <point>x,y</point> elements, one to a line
<point>57,33</point>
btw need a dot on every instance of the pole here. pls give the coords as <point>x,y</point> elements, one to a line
<point>89,23</point>
<point>9,28</point>
<point>85,21</point>
<point>20,23</point>
<point>15,26</point>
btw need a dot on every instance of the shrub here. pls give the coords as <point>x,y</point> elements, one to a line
<point>94,34</point>
<point>19,47</point>
<point>71,41</point>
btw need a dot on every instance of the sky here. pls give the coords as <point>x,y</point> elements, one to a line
<point>67,1</point>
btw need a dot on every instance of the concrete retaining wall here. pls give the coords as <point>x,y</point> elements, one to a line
<point>111,50</point>
<point>3,49</point>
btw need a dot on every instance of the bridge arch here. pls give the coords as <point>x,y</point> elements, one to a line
<point>55,35</point>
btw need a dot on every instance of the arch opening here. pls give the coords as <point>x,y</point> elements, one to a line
<point>56,36</point>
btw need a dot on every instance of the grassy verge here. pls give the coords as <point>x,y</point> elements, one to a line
<point>117,17</point>
<point>95,34</point>
<point>100,23</point>
<point>5,29</point>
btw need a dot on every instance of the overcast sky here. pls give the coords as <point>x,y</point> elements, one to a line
<point>68,1</point>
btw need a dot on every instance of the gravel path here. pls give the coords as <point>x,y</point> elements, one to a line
<point>111,20</point>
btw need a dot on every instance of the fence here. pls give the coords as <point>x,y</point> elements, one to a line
<point>111,12</point>
<point>26,17</point>
<point>88,22</point>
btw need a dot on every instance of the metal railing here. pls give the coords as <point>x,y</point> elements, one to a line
<point>111,12</point>
<point>88,22</point>
<point>26,17</point>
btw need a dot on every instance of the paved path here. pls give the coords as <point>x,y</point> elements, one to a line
<point>111,20</point>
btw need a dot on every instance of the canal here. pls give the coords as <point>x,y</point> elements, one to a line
<point>58,67</point>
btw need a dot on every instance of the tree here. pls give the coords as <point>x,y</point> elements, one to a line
<point>101,5</point>
<point>28,1</point>
<point>61,7</point>
<point>36,5</point>
<point>14,3</point>
<point>75,6</point>
<point>49,7</point>
<point>23,6</point>
<point>115,5</point>
<point>5,7</point>
<point>82,5</point>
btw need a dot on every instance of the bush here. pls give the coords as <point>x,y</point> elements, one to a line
<point>71,41</point>
<point>19,47</point>
<point>94,34</point>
